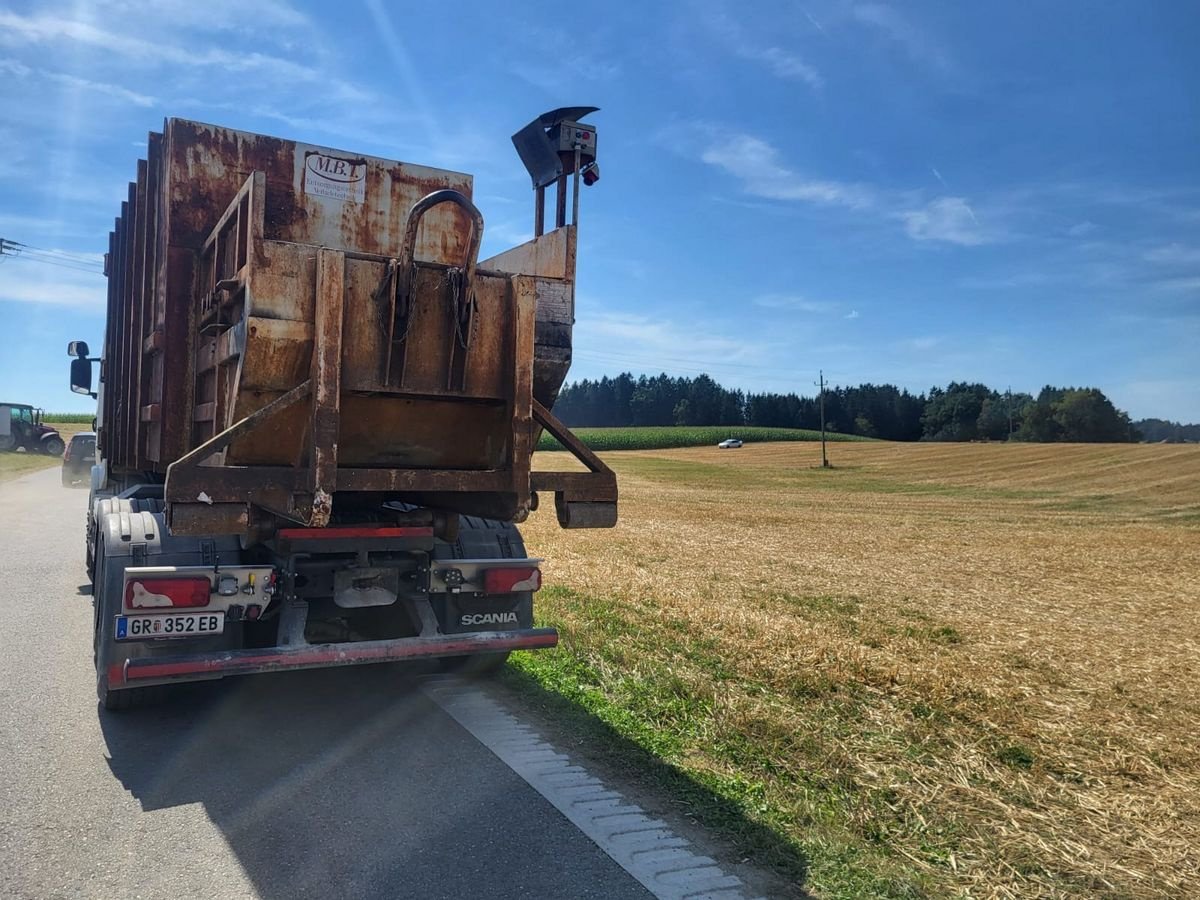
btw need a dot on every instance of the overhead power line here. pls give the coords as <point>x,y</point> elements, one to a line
<point>63,259</point>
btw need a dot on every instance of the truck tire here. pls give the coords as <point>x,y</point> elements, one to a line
<point>480,539</point>
<point>53,446</point>
<point>106,604</point>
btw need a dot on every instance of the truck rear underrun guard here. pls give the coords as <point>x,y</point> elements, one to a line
<point>193,667</point>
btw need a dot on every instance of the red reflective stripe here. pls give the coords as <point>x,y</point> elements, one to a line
<point>355,531</point>
<point>248,661</point>
<point>116,674</point>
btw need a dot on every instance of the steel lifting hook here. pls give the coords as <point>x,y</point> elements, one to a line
<point>406,265</point>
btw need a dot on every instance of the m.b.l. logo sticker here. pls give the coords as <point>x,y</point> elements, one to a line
<point>334,177</point>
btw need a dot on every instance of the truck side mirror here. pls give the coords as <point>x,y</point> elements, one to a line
<point>77,348</point>
<point>81,375</point>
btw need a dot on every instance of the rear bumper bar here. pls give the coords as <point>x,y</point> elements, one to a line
<point>315,656</point>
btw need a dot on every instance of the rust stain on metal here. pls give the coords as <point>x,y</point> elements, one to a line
<point>245,266</point>
<point>322,509</point>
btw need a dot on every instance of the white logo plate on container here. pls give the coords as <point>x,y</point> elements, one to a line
<point>335,177</point>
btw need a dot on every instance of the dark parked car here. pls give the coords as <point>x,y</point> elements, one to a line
<point>78,460</point>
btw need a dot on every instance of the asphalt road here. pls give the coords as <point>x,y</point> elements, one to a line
<point>335,783</point>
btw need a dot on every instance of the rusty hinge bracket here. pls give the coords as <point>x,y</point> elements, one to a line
<point>563,435</point>
<point>581,499</point>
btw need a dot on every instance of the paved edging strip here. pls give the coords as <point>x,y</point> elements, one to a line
<point>644,847</point>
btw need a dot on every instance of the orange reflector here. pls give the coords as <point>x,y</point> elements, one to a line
<point>512,580</point>
<point>166,593</point>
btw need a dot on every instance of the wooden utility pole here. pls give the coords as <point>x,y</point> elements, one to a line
<point>824,457</point>
<point>1010,415</point>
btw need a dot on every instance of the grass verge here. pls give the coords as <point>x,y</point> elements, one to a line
<point>672,705</point>
<point>14,465</point>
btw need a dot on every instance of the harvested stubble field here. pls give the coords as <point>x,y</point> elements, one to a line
<point>933,670</point>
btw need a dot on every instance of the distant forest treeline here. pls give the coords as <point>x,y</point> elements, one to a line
<point>1156,430</point>
<point>957,412</point>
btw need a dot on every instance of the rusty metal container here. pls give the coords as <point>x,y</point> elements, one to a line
<point>297,333</point>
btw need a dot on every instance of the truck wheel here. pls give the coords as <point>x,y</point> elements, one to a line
<point>53,446</point>
<point>105,604</point>
<point>480,539</point>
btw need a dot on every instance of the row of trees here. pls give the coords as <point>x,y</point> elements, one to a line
<point>1157,430</point>
<point>959,412</point>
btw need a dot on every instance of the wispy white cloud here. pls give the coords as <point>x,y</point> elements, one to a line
<point>23,72</point>
<point>919,46</point>
<point>649,337</point>
<point>786,65</point>
<point>853,314</point>
<point>948,219</point>
<point>49,30</point>
<point>216,15</point>
<point>1189,285</point>
<point>1082,229</point>
<point>23,281</point>
<point>1174,255</point>
<point>794,302</point>
<point>920,344</point>
<point>1009,281</point>
<point>757,164</point>
<point>782,63</point>
<point>586,62</point>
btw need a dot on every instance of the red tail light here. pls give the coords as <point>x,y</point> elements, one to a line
<point>166,593</point>
<point>512,581</point>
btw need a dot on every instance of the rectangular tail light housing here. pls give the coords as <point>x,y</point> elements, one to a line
<point>167,593</point>
<point>512,580</point>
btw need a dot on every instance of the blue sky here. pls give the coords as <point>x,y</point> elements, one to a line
<point>906,193</point>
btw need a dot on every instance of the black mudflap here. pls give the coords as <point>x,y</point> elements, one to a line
<point>482,539</point>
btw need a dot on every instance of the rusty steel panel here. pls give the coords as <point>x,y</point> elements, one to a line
<point>149,431</point>
<point>326,377</point>
<point>247,272</point>
<point>551,255</point>
<point>364,340</point>
<point>316,195</point>
<point>137,313</point>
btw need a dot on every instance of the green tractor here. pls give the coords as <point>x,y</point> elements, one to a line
<point>21,428</point>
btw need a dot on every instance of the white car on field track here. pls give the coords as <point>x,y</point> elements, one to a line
<point>730,444</point>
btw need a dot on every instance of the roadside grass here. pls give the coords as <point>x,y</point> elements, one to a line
<point>931,671</point>
<point>664,437</point>
<point>14,465</point>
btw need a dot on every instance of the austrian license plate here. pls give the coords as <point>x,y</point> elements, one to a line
<point>176,625</point>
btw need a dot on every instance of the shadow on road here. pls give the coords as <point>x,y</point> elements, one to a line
<point>350,782</point>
